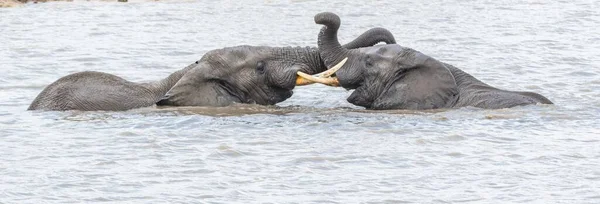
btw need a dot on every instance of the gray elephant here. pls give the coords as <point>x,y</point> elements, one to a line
<point>396,77</point>
<point>242,74</point>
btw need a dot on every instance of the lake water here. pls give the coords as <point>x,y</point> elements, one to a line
<point>315,147</point>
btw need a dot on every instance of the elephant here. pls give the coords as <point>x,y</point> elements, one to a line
<point>241,74</point>
<point>394,77</point>
<point>94,91</point>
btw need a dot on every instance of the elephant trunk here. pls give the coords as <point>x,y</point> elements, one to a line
<point>332,52</point>
<point>371,37</point>
<point>305,59</point>
<point>330,48</point>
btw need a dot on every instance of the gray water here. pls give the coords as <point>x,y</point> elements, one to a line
<point>315,147</point>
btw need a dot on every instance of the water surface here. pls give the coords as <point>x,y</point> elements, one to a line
<point>315,147</point>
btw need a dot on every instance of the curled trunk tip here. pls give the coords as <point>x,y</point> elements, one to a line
<point>371,37</point>
<point>382,34</point>
<point>328,19</point>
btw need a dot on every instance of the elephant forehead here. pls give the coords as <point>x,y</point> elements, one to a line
<point>238,54</point>
<point>387,49</point>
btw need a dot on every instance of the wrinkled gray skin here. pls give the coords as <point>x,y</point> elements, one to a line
<point>251,74</point>
<point>91,90</point>
<point>396,77</point>
<point>242,74</point>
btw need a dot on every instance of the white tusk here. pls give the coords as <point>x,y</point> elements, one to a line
<point>329,81</point>
<point>322,78</point>
<point>335,68</point>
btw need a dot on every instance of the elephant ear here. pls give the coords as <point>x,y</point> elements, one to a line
<point>197,88</point>
<point>427,85</point>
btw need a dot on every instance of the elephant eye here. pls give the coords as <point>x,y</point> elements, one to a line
<point>260,67</point>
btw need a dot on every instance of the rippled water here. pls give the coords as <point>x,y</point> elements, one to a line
<point>314,147</point>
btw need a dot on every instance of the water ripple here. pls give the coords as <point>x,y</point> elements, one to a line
<point>315,147</point>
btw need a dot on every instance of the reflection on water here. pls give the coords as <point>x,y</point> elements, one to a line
<point>314,147</point>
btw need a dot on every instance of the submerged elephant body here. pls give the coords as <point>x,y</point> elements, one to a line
<point>473,92</point>
<point>91,90</point>
<point>241,74</point>
<point>394,77</point>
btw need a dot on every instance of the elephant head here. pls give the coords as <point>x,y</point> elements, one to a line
<point>254,74</point>
<point>395,77</point>
<point>386,76</point>
<point>242,74</point>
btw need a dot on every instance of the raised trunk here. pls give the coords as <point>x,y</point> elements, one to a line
<point>330,48</point>
<point>332,52</point>
<point>371,37</point>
